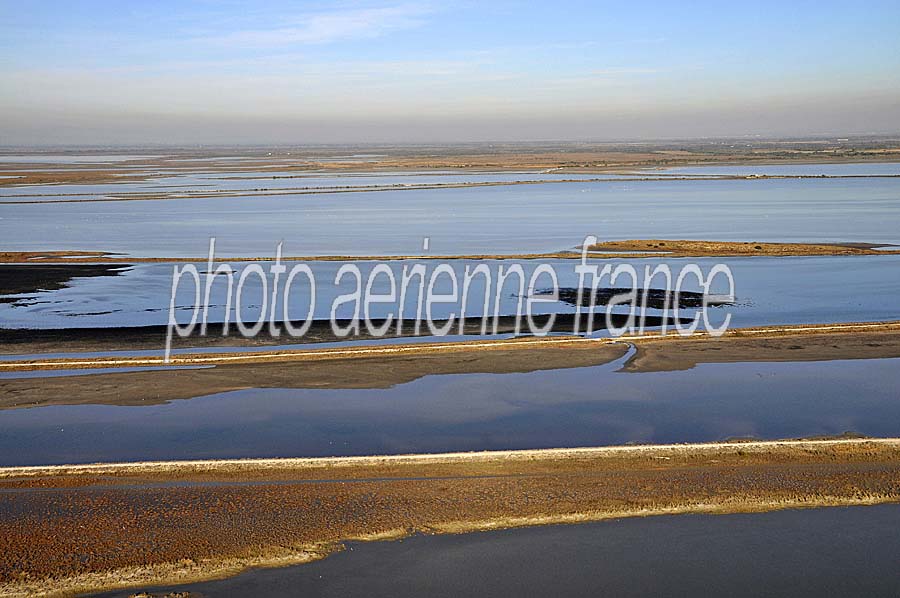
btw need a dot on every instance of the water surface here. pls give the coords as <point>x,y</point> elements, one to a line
<point>588,406</point>
<point>769,290</point>
<point>817,553</point>
<point>503,220</point>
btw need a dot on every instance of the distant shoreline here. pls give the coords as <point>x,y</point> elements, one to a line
<point>626,249</point>
<point>622,158</point>
<point>26,199</point>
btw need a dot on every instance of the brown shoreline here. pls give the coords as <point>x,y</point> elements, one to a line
<point>279,191</point>
<point>567,158</point>
<point>692,248</point>
<point>628,249</point>
<point>670,339</point>
<point>382,366</point>
<point>88,528</point>
<point>658,355</point>
<point>374,371</point>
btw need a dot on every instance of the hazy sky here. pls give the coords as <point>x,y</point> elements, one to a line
<point>301,72</point>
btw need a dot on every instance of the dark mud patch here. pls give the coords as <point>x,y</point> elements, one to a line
<point>60,340</point>
<point>652,298</point>
<point>18,279</point>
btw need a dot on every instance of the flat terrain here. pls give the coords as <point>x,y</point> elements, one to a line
<point>18,341</point>
<point>659,355</point>
<point>367,370</point>
<point>685,248</point>
<point>628,249</point>
<point>739,555</point>
<point>561,158</point>
<point>382,366</point>
<point>67,528</point>
<point>71,528</point>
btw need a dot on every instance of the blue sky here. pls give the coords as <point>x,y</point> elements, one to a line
<point>294,72</point>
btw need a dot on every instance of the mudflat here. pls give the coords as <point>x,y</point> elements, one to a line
<point>93,527</point>
<point>689,248</point>
<point>629,249</point>
<point>382,366</point>
<point>367,370</point>
<point>574,158</point>
<point>816,343</point>
<point>18,341</point>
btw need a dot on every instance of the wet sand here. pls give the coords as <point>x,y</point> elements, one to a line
<point>373,370</point>
<point>686,248</point>
<point>822,340</point>
<point>612,250</point>
<point>73,528</point>
<point>18,341</point>
<point>809,553</point>
<point>563,158</point>
<point>658,355</point>
<point>64,528</point>
<point>181,194</point>
<point>382,366</point>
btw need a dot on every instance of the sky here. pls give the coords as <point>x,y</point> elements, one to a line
<point>221,72</point>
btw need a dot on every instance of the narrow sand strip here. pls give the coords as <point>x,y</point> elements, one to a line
<point>429,348</point>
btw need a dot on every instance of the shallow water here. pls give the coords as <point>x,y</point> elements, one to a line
<point>71,158</point>
<point>504,219</point>
<point>770,290</point>
<point>588,406</point>
<point>198,179</point>
<point>816,553</point>
<point>862,169</point>
<point>272,180</point>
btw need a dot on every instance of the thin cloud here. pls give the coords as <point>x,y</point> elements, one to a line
<point>623,70</point>
<point>333,26</point>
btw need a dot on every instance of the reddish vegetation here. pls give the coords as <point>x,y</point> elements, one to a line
<point>77,523</point>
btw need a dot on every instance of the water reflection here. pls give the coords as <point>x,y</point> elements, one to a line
<point>557,408</point>
<point>498,219</point>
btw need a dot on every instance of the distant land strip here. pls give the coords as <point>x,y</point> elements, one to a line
<point>352,352</point>
<point>275,192</point>
<point>628,249</point>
